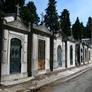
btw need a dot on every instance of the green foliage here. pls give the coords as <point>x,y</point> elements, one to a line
<point>82,30</point>
<point>86,33</point>
<point>1,8</point>
<point>28,14</point>
<point>89,27</point>
<point>51,17</point>
<point>89,23</point>
<point>10,5</point>
<point>77,26</point>
<point>65,22</point>
<point>79,31</point>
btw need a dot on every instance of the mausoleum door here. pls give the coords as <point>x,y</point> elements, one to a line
<point>85,55</point>
<point>59,56</point>
<point>15,56</point>
<point>89,56</point>
<point>78,54</point>
<point>71,55</point>
<point>41,55</point>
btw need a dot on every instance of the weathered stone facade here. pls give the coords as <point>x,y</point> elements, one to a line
<point>29,52</point>
<point>58,56</point>
<point>14,31</point>
<point>40,33</point>
<point>70,46</point>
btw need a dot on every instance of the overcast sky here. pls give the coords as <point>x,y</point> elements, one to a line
<point>77,8</point>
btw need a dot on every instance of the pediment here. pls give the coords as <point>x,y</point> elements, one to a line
<point>42,28</point>
<point>17,24</point>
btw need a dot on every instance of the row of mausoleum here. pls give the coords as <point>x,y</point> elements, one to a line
<point>29,52</point>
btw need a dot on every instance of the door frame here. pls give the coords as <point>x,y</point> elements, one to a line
<point>20,37</point>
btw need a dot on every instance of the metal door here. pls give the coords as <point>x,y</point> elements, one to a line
<point>15,56</point>
<point>71,55</point>
<point>41,55</point>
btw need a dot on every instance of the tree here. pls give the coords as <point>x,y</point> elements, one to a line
<point>89,23</point>
<point>51,17</point>
<point>28,14</point>
<point>1,8</point>
<point>65,22</point>
<point>51,21</point>
<point>89,27</point>
<point>77,29</point>
<point>10,5</point>
<point>82,30</point>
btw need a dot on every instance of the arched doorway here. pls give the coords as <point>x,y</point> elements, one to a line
<point>59,56</point>
<point>71,55</point>
<point>85,55</point>
<point>15,55</point>
<point>89,55</point>
<point>81,56</point>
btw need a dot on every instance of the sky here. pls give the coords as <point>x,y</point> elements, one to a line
<point>76,8</point>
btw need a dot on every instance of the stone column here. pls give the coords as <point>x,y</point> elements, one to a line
<point>35,56</point>
<point>47,55</point>
<point>55,55</point>
<point>24,62</point>
<point>5,63</point>
<point>63,54</point>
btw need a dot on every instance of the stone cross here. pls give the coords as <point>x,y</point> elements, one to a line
<point>18,7</point>
<point>42,17</point>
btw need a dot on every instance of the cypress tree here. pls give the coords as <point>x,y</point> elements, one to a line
<point>65,22</point>
<point>1,8</point>
<point>89,27</point>
<point>28,14</point>
<point>51,21</point>
<point>51,17</point>
<point>10,5</point>
<point>77,29</point>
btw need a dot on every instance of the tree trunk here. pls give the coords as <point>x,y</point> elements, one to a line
<point>51,52</point>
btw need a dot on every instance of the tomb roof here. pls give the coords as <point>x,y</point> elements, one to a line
<point>13,22</point>
<point>42,28</point>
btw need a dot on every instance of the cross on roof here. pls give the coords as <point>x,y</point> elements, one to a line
<point>18,7</point>
<point>42,15</point>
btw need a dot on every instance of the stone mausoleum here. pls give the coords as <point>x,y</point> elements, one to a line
<point>41,50</point>
<point>30,52</point>
<point>14,52</point>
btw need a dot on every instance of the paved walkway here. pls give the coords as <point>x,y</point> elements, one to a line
<point>82,83</point>
<point>46,79</point>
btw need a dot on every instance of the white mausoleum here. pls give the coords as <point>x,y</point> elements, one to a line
<point>58,56</point>
<point>14,53</point>
<point>41,50</point>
